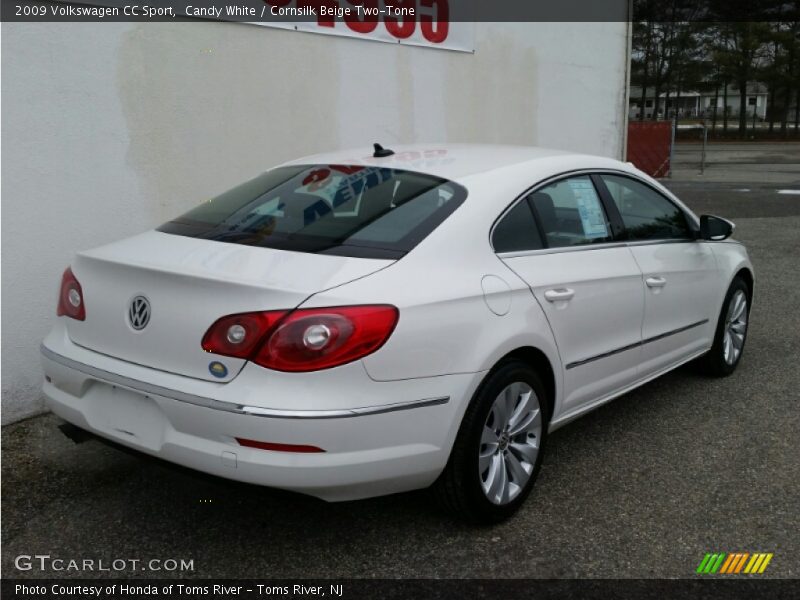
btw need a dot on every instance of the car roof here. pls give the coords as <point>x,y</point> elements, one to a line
<point>454,161</point>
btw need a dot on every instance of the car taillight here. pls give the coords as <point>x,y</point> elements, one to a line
<point>240,335</point>
<point>70,297</point>
<point>320,338</point>
<point>308,339</point>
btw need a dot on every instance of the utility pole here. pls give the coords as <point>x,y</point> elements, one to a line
<point>703,155</point>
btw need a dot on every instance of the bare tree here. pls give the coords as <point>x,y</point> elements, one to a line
<point>705,45</point>
<point>740,49</point>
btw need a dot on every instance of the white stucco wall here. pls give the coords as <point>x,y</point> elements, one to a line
<point>110,129</point>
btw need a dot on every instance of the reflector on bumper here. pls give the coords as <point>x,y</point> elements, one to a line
<point>278,447</point>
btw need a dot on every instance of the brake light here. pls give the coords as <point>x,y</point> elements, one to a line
<point>70,297</point>
<point>307,339</point>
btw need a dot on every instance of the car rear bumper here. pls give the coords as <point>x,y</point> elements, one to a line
<point>399,442</point>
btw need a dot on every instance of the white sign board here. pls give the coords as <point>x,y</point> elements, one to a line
<point>414,22</point>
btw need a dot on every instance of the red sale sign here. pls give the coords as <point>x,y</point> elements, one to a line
<point>415,22</point>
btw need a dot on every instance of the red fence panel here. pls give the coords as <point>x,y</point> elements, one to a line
<point>649,146</point>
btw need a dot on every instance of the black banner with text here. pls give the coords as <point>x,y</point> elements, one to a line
<point>364,14</point>
<point>350,589</point>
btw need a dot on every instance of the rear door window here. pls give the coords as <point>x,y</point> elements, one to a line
<point>371,212</point>
<point>570,213</point>
<point>516,231</point>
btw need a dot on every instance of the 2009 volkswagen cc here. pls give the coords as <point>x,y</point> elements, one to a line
<point>349,326</point>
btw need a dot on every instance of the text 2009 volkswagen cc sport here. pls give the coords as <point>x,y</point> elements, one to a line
<point>356,324</point>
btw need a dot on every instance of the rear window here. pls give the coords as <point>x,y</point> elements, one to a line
<point>370,212</point>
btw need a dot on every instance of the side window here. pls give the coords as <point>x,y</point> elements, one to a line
<point>647,215</point>
<point>517,231</point>
<point>570,213</point>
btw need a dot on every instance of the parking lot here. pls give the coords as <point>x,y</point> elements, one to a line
<point>642,487</point>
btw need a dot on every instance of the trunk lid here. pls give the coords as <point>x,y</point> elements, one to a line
<point>189,283</point>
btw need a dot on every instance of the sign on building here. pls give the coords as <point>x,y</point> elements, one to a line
<point>415,22</point>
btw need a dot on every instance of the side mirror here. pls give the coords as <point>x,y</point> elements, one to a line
<point>715,228</point>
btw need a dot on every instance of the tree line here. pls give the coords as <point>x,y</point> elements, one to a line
<point>707,46</point>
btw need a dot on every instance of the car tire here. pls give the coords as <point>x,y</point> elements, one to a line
<point>731,333</point>
<point>501,435</point>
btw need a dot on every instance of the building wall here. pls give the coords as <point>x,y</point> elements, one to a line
<point>735,105</point>
<point>694,106</point>
<point>110,129</point>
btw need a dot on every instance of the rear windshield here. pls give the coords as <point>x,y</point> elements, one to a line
<point>370,212</point>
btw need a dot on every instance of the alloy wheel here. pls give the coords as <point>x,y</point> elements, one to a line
<point>510,443</point>
<point>735,327</point>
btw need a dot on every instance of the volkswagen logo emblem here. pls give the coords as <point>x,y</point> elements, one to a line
<point>139,313</point>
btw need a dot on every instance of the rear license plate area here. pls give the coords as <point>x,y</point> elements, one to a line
<point>125,415</point>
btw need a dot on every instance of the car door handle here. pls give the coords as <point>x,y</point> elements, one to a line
<point>559,294</point>
<point>655,282</point>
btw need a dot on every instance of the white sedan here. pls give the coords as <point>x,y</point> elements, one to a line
<point>362,323</point>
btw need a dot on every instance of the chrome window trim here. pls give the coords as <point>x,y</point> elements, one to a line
<point>256,411</point>
<point>579,248</point>
<point>583,247</point>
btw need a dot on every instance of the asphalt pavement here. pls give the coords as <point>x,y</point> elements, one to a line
<point>642,487</point>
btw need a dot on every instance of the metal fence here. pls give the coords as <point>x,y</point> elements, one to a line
<point>650,146</point>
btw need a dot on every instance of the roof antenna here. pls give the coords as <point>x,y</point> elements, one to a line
<point>381,152</point>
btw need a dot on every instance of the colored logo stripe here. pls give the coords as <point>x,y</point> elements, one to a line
<point>727,564</point>
<point>703,563</point>
<point>758,563</point>
<point>734,563</point>
<point>710,563</point>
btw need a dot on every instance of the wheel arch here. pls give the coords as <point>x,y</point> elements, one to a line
<point>538,361</point>
<point>747,275</point>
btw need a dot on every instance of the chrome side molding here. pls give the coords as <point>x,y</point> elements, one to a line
<point>635,344</point>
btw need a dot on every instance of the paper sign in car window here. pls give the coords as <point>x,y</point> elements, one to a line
<point>589,208</point>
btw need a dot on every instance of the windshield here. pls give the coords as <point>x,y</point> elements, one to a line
<point>370,212</point>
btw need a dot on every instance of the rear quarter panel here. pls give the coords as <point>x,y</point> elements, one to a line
<point>446,325</point>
